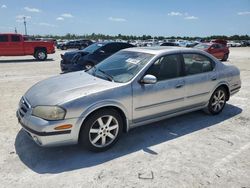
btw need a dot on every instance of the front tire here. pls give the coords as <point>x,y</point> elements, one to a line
<point>101,130</point>
<point>40,55</point>
<point>217,101</point>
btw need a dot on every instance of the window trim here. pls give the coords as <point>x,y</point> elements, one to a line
<point>183,63</point>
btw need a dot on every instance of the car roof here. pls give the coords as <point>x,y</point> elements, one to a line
<point>157,50</point>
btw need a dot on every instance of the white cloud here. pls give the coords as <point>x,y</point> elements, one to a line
<point>46,24</point>
<point>67,15</point>
<point>31,9</point>
<point>117,19</point>
<point>191,18</point>
<point>244,13</point>
<point>175,14</point>
<point>3,6</point>
<point>60,18</point>
<point>19,18</point>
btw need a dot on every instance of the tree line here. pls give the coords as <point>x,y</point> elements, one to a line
<point>95,36</point>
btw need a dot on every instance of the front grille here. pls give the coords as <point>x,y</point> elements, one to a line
<point>23,107</point>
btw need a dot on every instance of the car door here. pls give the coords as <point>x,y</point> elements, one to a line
<point>4,45</point>
<point>164,97</point>
<point>200,78</point>
<point>16,45</point>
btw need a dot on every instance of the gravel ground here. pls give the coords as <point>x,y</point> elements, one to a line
<point>193,150</point>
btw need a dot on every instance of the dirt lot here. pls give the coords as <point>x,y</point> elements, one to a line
<point>193,150</point>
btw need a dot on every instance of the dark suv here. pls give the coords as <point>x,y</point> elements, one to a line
<point>90,56</point>
<point>77,44</point>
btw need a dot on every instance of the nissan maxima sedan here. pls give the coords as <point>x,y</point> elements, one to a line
<point>133,87</point>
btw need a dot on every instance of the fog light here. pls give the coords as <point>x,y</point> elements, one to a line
<point>62,127</point>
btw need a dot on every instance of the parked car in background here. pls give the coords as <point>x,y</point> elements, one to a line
<point>233,44</point>
<point>220,51</point>
<point>90,56</point>
<point>76,44</point>
<point>17,45</point>
<point>169,44</point>
<point>133,87</point>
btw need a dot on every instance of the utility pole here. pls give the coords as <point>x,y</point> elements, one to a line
<point>15,30</point>
<point>24,22</point>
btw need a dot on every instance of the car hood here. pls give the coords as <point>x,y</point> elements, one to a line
<point>63,88</point>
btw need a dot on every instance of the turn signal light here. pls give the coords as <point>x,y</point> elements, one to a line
<point>62,127</point>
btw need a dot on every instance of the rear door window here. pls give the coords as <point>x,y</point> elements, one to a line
<point>3,38</point>
<point>196,64</point>
<point>15,38</point>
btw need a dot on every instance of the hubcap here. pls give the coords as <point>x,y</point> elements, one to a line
<point>103,131</point>
<point>218,100</point>
<point>41,55</point>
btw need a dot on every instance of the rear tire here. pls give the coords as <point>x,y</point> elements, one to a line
<point>217,101</point>
<point>101,130</point>
<point>225,57</point>
<point>40,55</point>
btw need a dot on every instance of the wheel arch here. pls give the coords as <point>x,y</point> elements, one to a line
<point>121,110</point>
<point>225,86</point>
<point>40,48</point>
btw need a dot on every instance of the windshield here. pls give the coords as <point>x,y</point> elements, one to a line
<point>122,66</point>
<point>202,46</point>
<point>93,47</point>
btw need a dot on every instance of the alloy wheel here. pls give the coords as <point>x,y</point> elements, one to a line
<point>218,100</point>
<point>103,131</point>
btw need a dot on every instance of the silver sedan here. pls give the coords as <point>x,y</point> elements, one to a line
<point>133,87</point>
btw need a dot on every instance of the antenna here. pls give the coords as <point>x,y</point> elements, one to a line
<point>24,22</point>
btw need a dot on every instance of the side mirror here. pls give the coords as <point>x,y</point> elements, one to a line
<point>148,79</point>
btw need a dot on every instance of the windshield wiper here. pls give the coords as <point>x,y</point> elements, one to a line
<point>110,77</point>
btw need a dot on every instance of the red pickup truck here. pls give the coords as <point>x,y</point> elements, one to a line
<point>17,45</point>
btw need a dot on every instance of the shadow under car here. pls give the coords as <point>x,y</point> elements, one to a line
<point>68,158</point>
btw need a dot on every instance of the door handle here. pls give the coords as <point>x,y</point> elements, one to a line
<point>179,86</point>
<point>213,78</point>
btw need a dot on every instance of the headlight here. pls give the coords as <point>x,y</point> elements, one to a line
<point>49,112</point>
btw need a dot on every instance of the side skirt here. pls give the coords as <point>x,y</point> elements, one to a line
<point>167,115</point>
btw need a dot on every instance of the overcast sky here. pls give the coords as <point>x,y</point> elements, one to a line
<point>131,17</point>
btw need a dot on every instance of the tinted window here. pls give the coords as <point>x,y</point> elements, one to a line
<point>3,38</point>
<point>15,38</point>
<point>93,47</point>
<point>166,67</point>
<point>196,63</point>
<point>111,48</point>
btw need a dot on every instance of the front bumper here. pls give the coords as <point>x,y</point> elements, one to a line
<point>43,133</point>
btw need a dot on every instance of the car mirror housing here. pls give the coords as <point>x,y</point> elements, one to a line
<point>148,79</point>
